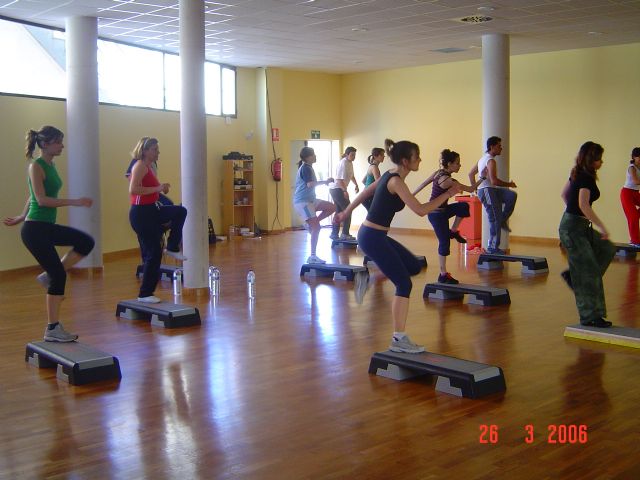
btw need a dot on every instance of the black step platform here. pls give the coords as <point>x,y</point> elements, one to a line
<point>166,271</point>
<point>531,265</point>
<point>76,363</point>
<point>344,243</point>
<point>422,260</point>
<point>626,250</point>
<point>164,314</point>
<point>477,294</point>
<point>337,271</point>
<point>623,336</point>
<point>462,378</point>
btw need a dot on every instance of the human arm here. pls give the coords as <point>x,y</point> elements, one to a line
<point>583,202</point>
<point>36,175</point>
<point>315,183</point>
<point>447,183</point>
<point>565,192</point>
<point>399,187</point>
<point>11,221</point>
<point>492,175</point>
<point>135,182</point>
<point>355,182</point>
<point>361,197</point>
<point>634,175</point>
<point>425,183</point>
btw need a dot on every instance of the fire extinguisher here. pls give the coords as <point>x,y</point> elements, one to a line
<point>276,169</point>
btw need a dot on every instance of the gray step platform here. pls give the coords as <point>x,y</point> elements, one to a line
<point>623,336</point>
<point>344,243</point>
<point>422,260</point>
<point>164,314</point>
<point>166,271</point>
<point>477,294</point>
<point>76,363</point>
<point>462,378</point>
<point>337,271</point>
<point>625,250</point>
<point>532,265</point>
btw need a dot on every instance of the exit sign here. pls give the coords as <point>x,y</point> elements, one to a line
<point>315,134</point>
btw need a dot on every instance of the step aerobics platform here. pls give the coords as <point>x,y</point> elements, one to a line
<point>462,378</point>
<point>164,314</point>
<point>623,336</point>
<point>477,294</point>
<point>530,265</point>
<point>337,271</point>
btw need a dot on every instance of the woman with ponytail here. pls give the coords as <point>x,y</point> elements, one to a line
<point>390,195</point>
<point>41,234</point>
<point>373,172</point>
<point>589,250</point>
<point>439,218</point>
<point>630,198</point>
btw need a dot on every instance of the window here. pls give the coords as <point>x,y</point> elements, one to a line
<point>127,75</point>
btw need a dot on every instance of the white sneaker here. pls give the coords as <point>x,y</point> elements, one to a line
<point>315,259</point>
<point>176,255</point>
<point>59,334</point>
<point>44,280</point>
<point>405,345</point>
<point>347,237</point>
<point>149,299</point>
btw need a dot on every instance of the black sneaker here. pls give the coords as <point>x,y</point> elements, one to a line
<point>566,276</point>
<point>447,278</point>
<point>457,236</point>
<point>598,323</point>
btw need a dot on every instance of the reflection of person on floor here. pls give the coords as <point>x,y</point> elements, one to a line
<point>305,202</point>
<point>41,234</point>
<point>630,198</point>
<point>340,195</point>
<point>439,218</point>
<point>494,194</point>
<point>589,252</point>
<point>583,379</point>
<point>147,217</point>
<point>390,195</point>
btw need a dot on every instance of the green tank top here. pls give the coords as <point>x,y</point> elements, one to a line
<point>52,185</point>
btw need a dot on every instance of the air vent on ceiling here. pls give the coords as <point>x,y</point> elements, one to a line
<point>474,19</point>
<point>449,50</point>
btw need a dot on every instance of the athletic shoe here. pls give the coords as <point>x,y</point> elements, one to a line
<point>315,259</point>
<point>496,251</point>
<point>635,245</point>
<point>598,322</point>
<point>347,237</point>
<point>334,236</point>
<point>404,345</point>
<point>457,236</point>
<point>177,255</point>
<point>566,276</point>
<point>149,299</point>
<point>44,280</point>
<point>447,278</point>
<point>59,334</point>
<point>361,281</point>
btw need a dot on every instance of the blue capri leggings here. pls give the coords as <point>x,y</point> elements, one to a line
<point>440,220</point>
<point>42,238</point>
<point>394,260</point>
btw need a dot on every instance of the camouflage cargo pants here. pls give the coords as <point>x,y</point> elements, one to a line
<point>589,257</point>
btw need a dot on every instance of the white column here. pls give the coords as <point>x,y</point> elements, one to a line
<point>81,136</point>
<point>495,108</point>
<point>193,143</point>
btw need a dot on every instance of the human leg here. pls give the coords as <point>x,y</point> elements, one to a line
<point>145,222</point>
<point>630,200</point>
<point>176,214</point>
<point>508,199</point>
<point>440,222</point>
<point>337,195</point>
<point>459,210</point>
<point>493,207</point>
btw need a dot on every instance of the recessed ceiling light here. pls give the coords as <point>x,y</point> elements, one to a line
<point>473,19</point>
<point>594,33</point>
<point>486,9</point>
<point>359,29</point>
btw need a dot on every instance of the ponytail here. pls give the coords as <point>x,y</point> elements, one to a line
<point>47,134</point>
<point>448,156</point>
<point>400,150</point>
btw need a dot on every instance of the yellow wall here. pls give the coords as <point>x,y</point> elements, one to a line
<point>120,128</point>
<point>558,101</point>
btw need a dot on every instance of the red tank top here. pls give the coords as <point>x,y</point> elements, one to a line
<point>149,180</point>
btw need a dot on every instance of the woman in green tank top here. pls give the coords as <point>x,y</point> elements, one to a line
<point>41,234</point>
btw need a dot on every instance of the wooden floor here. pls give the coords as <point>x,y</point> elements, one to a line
<point>280,389</point>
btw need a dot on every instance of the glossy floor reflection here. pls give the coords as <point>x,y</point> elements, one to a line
<point>278,387</point>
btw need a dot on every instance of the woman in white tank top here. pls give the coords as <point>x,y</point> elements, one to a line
<point>630,198</point>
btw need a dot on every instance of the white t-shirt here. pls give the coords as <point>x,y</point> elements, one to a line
<point>630,183</point>
<point>482,166</point>
<point>344,172</point>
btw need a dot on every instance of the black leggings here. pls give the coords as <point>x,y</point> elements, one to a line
<point>41,238</point>
<point>393,259</point>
